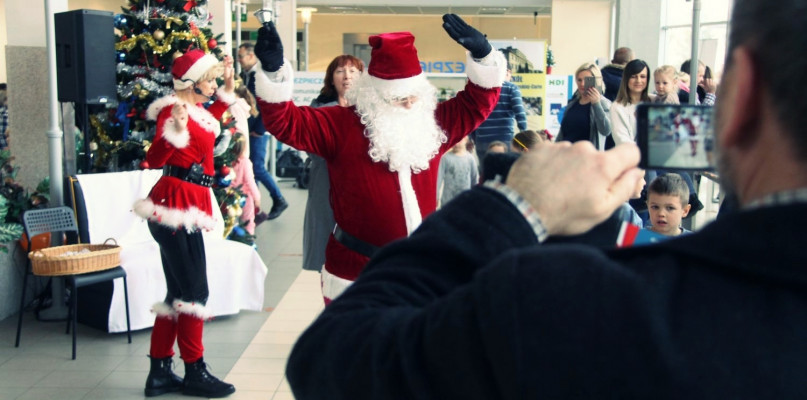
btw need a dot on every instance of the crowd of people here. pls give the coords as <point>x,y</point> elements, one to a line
<point>509,290</point>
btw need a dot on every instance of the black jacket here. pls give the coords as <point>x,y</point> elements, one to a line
<point>470,307</point>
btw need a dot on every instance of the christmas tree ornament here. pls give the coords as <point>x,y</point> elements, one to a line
<point>225,170</point>
<point>121,56</point>
<point>159,34</point>
<point>119,21</point>
<point>212,43</point>
<point>238,231</point>
<point>144,164</point>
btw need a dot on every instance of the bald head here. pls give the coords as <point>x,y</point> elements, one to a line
<point>622,56</point>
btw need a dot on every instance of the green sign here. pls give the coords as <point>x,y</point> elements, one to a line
<point>243,17</point>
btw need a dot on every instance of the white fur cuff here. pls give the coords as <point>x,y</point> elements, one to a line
<point>275,87</point>
<point>197,310</point>
<point>163,310</point>
<point>224,96</point>
<point>488,72</point>
<point>178,139</point>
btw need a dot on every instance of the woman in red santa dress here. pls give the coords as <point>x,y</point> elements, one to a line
<point>178,208</point>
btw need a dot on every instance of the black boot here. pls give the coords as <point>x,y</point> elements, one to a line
<point>162,379</point>
<point>199,382</point>
<point>278,206</point>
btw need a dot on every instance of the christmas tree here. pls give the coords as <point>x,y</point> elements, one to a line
<point>150,35</point>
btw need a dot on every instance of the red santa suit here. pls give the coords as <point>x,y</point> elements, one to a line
<point>370,202</point>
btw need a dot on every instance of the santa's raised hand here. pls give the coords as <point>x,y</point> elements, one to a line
<point>269,48</point>
<point>467,36</point>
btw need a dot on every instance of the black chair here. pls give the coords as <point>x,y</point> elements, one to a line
<point>61,219</point>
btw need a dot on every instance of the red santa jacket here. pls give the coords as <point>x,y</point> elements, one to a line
<point>366,197</point>
<point>174,202</point>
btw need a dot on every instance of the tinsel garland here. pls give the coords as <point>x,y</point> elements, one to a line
<point>172,17</point>
<point>127,90</point>
<point>130,43</point>
<point>162,77</point>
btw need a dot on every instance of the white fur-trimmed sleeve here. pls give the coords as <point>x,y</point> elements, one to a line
<point>224,96</point>
<point>275,87</point>
<point>488,72</point>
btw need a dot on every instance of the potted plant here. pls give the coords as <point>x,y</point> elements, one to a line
<point>550,60</point>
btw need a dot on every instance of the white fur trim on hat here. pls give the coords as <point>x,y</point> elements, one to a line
<point>198,310</point>
<point>403,87</point>
<point>178,139</point>
<point>488,72</point>
<point>199,68</point>
<point>191,219</point>
<point>163,310</point>
<point>275,87</point>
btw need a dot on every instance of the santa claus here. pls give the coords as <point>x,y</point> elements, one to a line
<point>383,151</point>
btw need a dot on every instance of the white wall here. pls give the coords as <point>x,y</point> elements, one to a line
<point>580,33</point>
<point>3,41</point>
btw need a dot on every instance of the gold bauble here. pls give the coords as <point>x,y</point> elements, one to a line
<point>159,34</point>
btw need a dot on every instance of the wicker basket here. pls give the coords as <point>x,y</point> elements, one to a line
<point>51,261</point>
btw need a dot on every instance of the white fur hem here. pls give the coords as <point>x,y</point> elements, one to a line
<point>191,219</point>
<point>198,310</point>
<point>488,72</point>
<point>178,139</point>
<point>163,310</point>
<point>332,285</point>
<point>275,87</point>
<point>397,87</point>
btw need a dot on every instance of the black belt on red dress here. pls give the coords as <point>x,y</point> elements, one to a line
<point>354,243</point>
<point>184,174</point>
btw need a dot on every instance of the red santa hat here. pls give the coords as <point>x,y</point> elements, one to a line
<point>394,62</point>
<point>190,67</point>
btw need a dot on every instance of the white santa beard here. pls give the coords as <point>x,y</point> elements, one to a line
<point>403,138</point>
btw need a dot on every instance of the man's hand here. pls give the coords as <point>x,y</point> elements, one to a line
<point>709,85</point>
<point>470,38</point>
<point>573,186</point>
<point>268,48</point>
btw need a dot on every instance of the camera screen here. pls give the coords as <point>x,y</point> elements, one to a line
<point>676,136</point>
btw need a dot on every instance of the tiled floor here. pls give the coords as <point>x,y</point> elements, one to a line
<point>248,349</point>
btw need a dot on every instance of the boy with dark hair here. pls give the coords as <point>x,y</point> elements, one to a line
<point>667,203</point>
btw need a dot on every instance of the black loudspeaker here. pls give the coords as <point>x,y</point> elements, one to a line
<point>85,56</point>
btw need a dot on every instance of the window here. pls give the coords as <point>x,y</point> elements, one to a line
<point>676,32</point>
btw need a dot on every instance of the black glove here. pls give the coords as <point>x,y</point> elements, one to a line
<point>470,38</point>
<point>268,48</point>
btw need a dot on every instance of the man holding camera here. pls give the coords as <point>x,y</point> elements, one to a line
<point>450,313</point>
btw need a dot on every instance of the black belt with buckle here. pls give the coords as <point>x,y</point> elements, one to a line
<point>354,243</point>
<point>186,174</point>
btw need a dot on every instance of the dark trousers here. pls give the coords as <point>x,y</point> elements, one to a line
<point>184,264</point>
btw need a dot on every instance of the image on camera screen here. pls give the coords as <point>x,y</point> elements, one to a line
<point>680,137</point>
